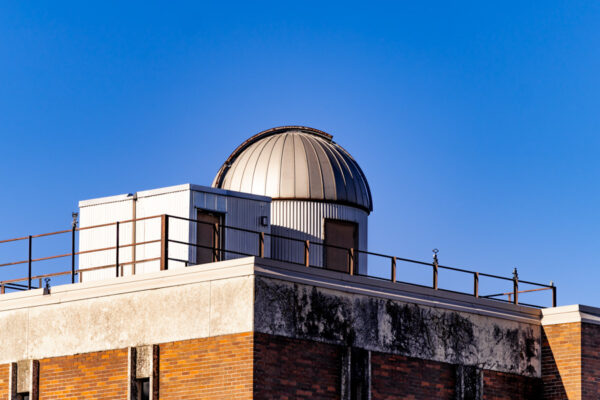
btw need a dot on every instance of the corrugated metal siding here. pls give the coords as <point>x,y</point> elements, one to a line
<point>305,220</point>
<point>102,237</point>
<point>174,203</point>
<point>239,212</point>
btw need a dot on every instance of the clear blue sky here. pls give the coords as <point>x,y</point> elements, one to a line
<point>477,125</point>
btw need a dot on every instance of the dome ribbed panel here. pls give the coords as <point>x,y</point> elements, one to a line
<point>296,163</point>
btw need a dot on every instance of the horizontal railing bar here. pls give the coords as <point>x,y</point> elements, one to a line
<point>220,225</point>
<point>372,254</point>
<point>455,291</point>
<point>121,246</point>
<point>14,284</point>
<point>80,270</point>
<point>495,276</point>
<point>414,261</point>
<point>179,260</point>
<point>13,287</point>
<point>51,275</point>
<point>50,233</point>
<point>51,257</point>
<point>114,247</point>
<point>11,281</point>
<point>211,248</point>
<point>14,263</point>
<point>466,271</point>
<point>274,235</point>
<point>520,291</point>
<point>77,229</point>
<point>14,239</point>
<point>537,284</point>
<point>530,305</point>
<point>80,252</point>
<point>120,222</point>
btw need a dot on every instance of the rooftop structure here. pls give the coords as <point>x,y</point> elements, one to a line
<point>262,286</point>
<point>299,163</point>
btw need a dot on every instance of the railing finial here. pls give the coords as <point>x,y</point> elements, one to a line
<point>74,215</point>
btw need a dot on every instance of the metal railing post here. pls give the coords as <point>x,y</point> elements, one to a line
<point>476,284</point>
<point>216,243</point>
<point>553,294</point>
<point>515,286</point>
<point>164,242</point>
<point>261,245</point>
<point>73,253</point>
<point>29,265</point>
<point>307,253</point>
<point>435,269</point>
<point>117,251</point>
<point>351,261</point>
<point>393,269</point>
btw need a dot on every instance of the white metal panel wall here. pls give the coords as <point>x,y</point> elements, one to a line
<point>102,237</point>
<point>176,203</point>
<point>240,213</point>
<point>306,220</point>
<point>181,201</point>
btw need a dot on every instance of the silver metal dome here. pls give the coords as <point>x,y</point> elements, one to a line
<point>296,162</point>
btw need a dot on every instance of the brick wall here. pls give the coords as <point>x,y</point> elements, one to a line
<point>4,377</point>
<point>296,369</point>
<point>98,376</point>
<point>590,360</point>
<point>394,376</point>
<point>561,361</point>
<point>212,368</point>
<point>502,386</point>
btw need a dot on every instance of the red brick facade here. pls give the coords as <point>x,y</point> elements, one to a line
<point>561,361</point>
<point>211,368</point>
<point>296,369</point>
<point>501,386</point>
<point>98,376</point>
<point>590,360</point>
<point>4,379</point>
<point>394,377</point>
<point>571,361</point>
<point>253,365</point>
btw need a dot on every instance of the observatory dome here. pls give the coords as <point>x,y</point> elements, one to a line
<point>296,163</point>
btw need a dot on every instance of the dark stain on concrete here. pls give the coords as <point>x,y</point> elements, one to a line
<point>372,323</point>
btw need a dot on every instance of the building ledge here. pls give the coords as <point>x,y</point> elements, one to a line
<point>278,270</point>
<point>571,314</point>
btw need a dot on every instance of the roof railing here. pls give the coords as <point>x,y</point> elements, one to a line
<point>305,255</point>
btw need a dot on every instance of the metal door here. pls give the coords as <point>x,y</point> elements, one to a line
<point>343,235</point>
<point>208,237</point>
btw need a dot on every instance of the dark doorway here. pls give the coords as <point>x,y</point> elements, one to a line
<point>343,235</point>
<point>208,236</point>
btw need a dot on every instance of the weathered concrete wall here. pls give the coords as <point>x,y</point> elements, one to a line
<point>274,298</point>
<point>374,323</point>
<point>159,307</point>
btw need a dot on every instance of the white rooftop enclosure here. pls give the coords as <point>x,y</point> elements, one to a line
<point>241,210</point>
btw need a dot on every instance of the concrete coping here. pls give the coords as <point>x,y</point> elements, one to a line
<point>276,270</point>
<point>570,314</point>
